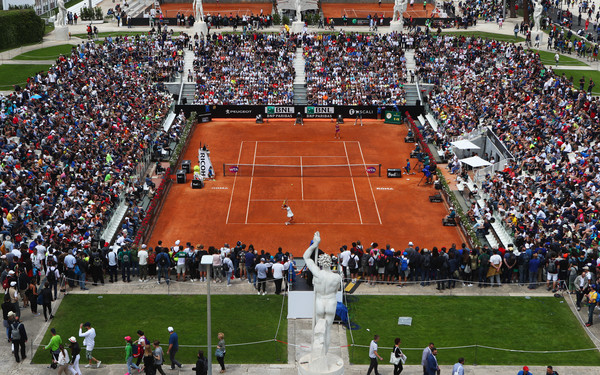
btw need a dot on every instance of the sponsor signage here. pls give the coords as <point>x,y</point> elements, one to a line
<point>204,162</point>
<point>371,170</point>
<point>393,117</point>
<point>234,169</point>
<point>268,111</point>
<point>319,112</point>
<point>394,173</point>
<point>279,112</point>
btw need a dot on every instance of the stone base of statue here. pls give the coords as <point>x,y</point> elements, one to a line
<point>330,365</point>
<point>201,28</point>
<point>61,33</point>
<point>396,27</point>
<point>535,39</point>
<point>297,27</point>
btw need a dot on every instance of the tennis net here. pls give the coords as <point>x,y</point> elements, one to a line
<point>271,170</point>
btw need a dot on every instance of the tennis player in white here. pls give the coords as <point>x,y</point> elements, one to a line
<point>290,214</point>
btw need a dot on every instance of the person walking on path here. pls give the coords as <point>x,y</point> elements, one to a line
<point>525,371</point>
<point>89,340</point>
<point>54,346</point>
<point>173,348</point>
<point>426,353</point>
<point>47,301</point>
<point>458,368</point>
<point>129,355</point>
<point>400,357</point>
<point>62,361</point>
<point>149,366</point>
<point>373,355</point>
<point>220,352</point>
<point>18,337</point>
<point>75,355</point>
<point>159,357</point>
<point>592,300</point>
<point>432,363</point>
<point>201,364</point>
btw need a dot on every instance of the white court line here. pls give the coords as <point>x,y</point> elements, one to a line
<point>296,223</point>
<point>300,141</point>
<point>303,156</point>
<point>305,200</point>
<point>353,187</point>
<point>251,180</point>
<point>301,179</point>
<point>371,186</point>
<point>233,188</point>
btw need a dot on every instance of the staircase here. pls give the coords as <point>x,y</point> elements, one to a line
<point>300,78</point>
<point>412,94</point>
<point>189,88</point>
<point>115,221</point>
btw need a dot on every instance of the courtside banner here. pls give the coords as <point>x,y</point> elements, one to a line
<point>291,111</point>
<point>204,162</point>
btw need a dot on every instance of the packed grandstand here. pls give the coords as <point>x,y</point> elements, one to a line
<point>73,136</point>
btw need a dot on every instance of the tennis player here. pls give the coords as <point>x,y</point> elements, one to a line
<point>337,131</point>
<point>299,119</point>
<point>290,214</point>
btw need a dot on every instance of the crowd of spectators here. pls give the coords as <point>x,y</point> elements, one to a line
<point>355,69</point>
<point>247,22</point>
<point>72,138</point>
<point>238,70</point>
<point>548,194</point>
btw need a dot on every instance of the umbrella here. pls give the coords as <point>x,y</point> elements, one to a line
<point>475,162</point>
<point>463,144</point>
<point>36,96</point>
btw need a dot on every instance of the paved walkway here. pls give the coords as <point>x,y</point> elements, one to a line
<point>297,329</point>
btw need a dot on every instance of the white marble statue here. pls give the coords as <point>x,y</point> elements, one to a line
<point>62,13</point>
<point>298,4</point>
<point>399,9</point>
<point>198,10</point>
<point>537,14</point>
<point>326,284</point>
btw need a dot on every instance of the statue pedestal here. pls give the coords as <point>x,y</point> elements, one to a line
<point>534,35</point>
<point>297,27</point>
<point>61,33</point>
<point>331,365</point>
<point>201,28</point>
<point>396,27</point>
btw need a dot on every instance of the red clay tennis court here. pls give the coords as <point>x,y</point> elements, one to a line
<point>241,9</point>
<point>363,10</point>
<point>331,185</point>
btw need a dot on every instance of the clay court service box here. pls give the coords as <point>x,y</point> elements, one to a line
<point>186,165</point>
<point>394,173</point>
<point>181,176</point>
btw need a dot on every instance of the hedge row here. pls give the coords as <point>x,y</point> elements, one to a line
<point>19,27</point>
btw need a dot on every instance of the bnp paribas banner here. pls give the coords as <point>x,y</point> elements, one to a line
<point>319,112</point>
<point>272,111</point>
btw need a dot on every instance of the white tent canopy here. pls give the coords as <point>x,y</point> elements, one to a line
<point>464,144</point>
<point>475,162</point>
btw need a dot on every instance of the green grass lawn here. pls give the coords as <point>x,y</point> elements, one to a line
<point>536,324</point>
<point>499,37</point>
<point>576,74</point>
<point>48,53</point>
<point>548,59</point>
<point>48,29</point>
<point>242,318</point>
<point>17,74</point>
